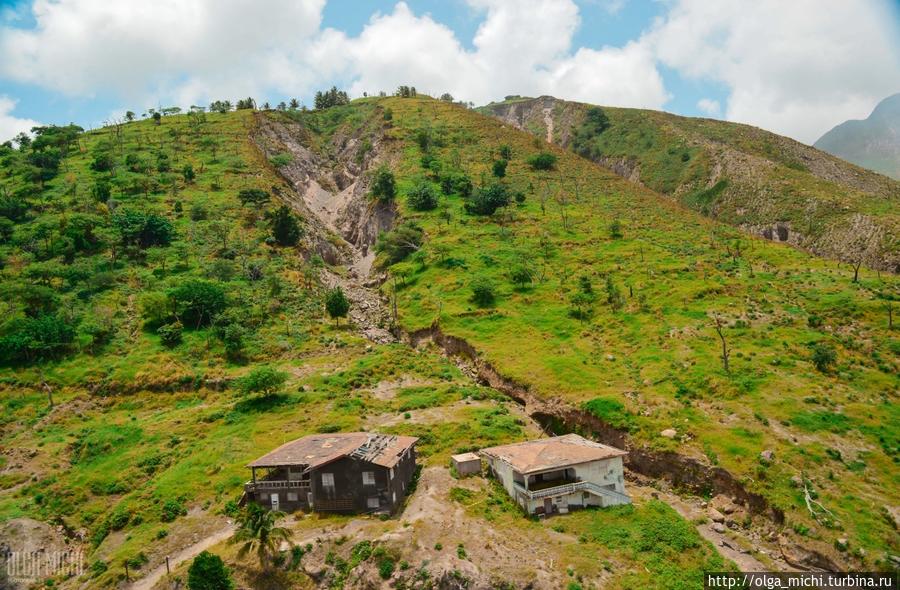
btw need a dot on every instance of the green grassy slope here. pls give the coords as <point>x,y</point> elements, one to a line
<point>651,360</point>
<point>145,445</point>
<point>745,176</point>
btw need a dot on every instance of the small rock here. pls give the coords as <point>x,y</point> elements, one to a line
<point>704,504</point>
<point>610,357</point>
<point>718,527</point>
<point>716,516</point>
<point>796,481</point>
<point>668,433</point>
<point>768,455</point>
<point>728,508</point>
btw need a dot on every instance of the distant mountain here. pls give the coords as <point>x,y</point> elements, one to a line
<point>872,143</point>
<point>764,183</point>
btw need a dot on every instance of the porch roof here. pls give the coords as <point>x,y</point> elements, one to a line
<point>318,449</point>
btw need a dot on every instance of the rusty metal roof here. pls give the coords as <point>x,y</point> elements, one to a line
<point>551,453</point>
<point>318,449</point>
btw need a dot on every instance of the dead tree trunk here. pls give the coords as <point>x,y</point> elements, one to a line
<point>719,326</point>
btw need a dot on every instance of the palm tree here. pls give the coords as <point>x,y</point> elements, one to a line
<point>257,531</point>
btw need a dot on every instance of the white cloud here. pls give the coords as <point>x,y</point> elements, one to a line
<point>797,68</point>
<point>10,126</point>
<point>710,107</point>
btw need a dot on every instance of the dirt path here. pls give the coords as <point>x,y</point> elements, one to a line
<point>189,552</point>
<point>548,122</point>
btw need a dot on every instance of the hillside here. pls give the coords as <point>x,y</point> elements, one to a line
<point>489,302</point>
<point>764,183</point>
<point>872,143</point>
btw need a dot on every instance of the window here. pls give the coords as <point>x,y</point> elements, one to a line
<point>368,478</point>
<point>373,502</point>
<point>292,497</point>
<point>263,496</point>
<point>328,484</point>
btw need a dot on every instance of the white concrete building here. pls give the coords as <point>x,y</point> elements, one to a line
<point>556,474</point>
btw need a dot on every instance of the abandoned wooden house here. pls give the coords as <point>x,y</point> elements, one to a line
<point>343,472</point>
<point>557,474</point>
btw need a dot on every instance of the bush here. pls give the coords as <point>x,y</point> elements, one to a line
<point>422,197</point>
<point>542,161</point>
<point>498,168</point>
<point>208,572</point>
<point>281,160</point>
<point>506,152</point>
<point>197,302</point>
<point>386,568</point>
<point>487,199</point>
<point>31,339</point>
<point>456,182</point>
<point>284,226</point>
<point>615,229</point>
<point>482,292</point>
<point>521,276</point>
<point>171,510</point>
<point>170,334</point>
<point>262,380</point>
<point>405,239</point>
<point>823,357</point>
<point>384,186</point>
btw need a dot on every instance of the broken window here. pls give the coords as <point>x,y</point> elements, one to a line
<point>373,502</point>
<point>368,478</point>
<point>328,484</point>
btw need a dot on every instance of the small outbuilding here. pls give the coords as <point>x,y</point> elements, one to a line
<point>466,464</point>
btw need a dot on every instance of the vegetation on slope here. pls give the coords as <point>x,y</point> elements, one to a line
<point>582,285</point>
<point>745,176</point>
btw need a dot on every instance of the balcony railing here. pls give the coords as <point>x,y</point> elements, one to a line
<point>268,484</point>
<point>571,488</point>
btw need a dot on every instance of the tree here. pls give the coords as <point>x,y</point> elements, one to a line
<point>405,239</point>
<point>254,197</point>
<point>188,173</point>
<point>615,229</point>
<point>542,161</point>
<point>294,104</point>
<point>208,572</point>
<point>37,338</point>
<point>521,276</point>
<point>384,186</point>
<point>330,98</point>
<point>456,182</point>
<point>613,295</point>
<point>447,97</point>
<point>157,117</point>
<point>170,334</point>
<point>487,199</point>
<point>197,302</point>
<point>719,326</point>
<point>506,152</point>
<point>129,116</point>
<point>143,229</point>
<point>422,197</point>
<point>265,381</point>
<point>823,356</point>
<point>499,168</point>
<point>336,304</point>
<point>257,531</point>
<point>284,226</point>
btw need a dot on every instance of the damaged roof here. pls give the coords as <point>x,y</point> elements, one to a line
<point>551,453</point>
<point>318,449</point>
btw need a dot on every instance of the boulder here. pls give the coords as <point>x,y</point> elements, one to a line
<point>716,516</point>
<point>718,527</point>
<point>767,456</point>
<point>669,433</point>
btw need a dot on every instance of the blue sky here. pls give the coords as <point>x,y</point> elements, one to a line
<point>797,68</point>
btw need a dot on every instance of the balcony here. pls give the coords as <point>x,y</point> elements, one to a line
<point>264,485</point>
<point>571,488</point>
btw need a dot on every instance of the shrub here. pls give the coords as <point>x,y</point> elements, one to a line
<point>498,168</point>
<point>30,339</point>
<point>170,334</point>
<point>384,186</point>
<point>281,160</point>
<point>486,200</point>
<point>456,182</point>
<point>208,572</point>
<point>171,510</point>
<point>405,239</point>
<point>422,197</point>
<point>262,380</point>
<point>386,568</point>
<point>615,229</point>
<point>542,161</point>
<point>506,152</point>
<point>823,356</point>
<point>482,292</point>
<point>197,302</point>
<point>521,276</point>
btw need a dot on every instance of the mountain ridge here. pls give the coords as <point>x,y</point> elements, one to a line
<point>873,142</point>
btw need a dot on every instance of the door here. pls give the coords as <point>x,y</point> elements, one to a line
<point>548,506</point>
<point>274,501</point>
